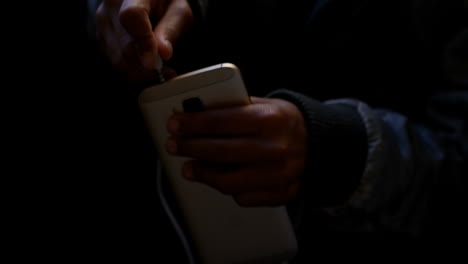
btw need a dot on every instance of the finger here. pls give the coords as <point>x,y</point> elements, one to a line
<point>269,198</point>
<point>115,41</point>
<point>244,120</point>
<point>177,19</point>
<point>128,49</point>
<point>119,46</point>
<point>131,70</point>
<point>236,179</point>
<point>114,44</point>
<point>134,18</point>
<point>260,100</point>
<point>129,63</point>
<point>228,150</point>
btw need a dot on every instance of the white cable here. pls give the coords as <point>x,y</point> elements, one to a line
<point>171,216</point>
<point>158,68</point>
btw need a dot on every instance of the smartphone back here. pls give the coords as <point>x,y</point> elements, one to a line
<point>222,231</point>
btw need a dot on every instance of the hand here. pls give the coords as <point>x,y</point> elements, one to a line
<point>128,38</point>
<point>256,153</point>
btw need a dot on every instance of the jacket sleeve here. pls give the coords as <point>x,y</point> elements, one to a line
<point>414,172</point>
<point>378,169</point>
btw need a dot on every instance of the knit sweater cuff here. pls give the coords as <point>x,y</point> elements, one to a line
<point>337,149</point>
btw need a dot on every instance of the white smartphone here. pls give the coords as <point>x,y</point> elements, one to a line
<point>222,231</point>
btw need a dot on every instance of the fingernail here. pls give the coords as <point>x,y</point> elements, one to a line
<point>171,146</point>
<point>187,172</point>
<point>173,126</point>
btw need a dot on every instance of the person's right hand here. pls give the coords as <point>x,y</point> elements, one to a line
<point>133,45</point>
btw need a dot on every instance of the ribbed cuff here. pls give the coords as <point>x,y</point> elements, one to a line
<point>337,149</point>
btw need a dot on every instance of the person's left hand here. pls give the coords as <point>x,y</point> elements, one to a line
<point>256,153</point>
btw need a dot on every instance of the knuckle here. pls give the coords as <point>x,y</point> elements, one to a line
<point>186,12</point>
<point>270,114</point>
<point>183,9</point>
